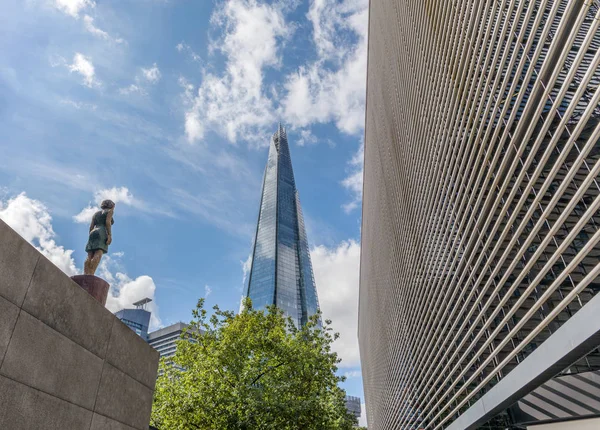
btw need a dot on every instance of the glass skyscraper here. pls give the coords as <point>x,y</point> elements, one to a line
<point>281,272</point>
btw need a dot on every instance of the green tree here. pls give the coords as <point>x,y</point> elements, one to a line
<point>253,370</point>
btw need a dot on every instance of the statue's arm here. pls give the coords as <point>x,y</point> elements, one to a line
<point>91,225</point>
<point>109,218</point>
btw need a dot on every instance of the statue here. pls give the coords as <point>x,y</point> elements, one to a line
<point>100,236</point>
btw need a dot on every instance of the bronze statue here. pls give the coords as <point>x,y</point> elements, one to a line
<point>100,236</point>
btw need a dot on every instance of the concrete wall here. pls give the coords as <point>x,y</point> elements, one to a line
<point>589,424</point>
<point>65,361</point>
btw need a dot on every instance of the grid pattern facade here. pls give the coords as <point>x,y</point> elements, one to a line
<point>353,406</point>
<point>481,196</point>
<point>165,339</point>
<point>281,271</point>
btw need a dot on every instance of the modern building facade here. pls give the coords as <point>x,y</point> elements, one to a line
<point>281,271</point>
<point>165,339</point>
<point>353,406</point>
<point>137,319</point>
<point>480,239</point>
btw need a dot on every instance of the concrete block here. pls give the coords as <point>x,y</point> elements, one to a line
<point>17,263</point>
<point>25,408</point>
<point>124,399</point>
<point>44,359</point>
<point>59,302</point>
<point>131,354</point>
<point>100,422</point>
<point>8,318</point>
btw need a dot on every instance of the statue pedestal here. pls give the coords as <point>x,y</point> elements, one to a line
<point>96,287</point>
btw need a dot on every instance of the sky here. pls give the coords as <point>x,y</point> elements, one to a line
<point>167,108</point>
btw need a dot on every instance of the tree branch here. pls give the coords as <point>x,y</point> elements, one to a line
<point>267,371</point>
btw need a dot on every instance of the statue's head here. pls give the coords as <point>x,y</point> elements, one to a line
<point>107,204</point>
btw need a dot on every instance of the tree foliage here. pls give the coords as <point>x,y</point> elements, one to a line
<point>253,370</point>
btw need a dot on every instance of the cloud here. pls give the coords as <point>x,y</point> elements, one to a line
<point>79,105</point>
<point>117,195</point>
<point>85,216</point>
<point>152,74</point>
<point>333,87</point>
<point>184,47</point>
<point>337,275</point>
<point>133,88</point>
<point>125,291</point>
<point>143,79</point>
<point>354,182</point>
<point>234,104</point>
<point>207,291</point>
<point>31,219</point>
<point>73,7</point>
<point>90,27</point>
<point>246,266</point>
<point>83,65</point>
<point>353,374</point>
<point>306,137</point>
<point>194,128</point>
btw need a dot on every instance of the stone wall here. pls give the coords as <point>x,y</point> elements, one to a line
<point>65,361</point>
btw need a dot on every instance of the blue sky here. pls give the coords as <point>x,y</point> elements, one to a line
<point>166,106</point>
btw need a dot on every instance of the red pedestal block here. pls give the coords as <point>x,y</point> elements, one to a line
<point>96,287</point>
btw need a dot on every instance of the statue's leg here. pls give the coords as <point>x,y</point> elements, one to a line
<point>95,261</point>
<point>87,265</point>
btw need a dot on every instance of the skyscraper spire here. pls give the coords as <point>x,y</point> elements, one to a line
<point>281,271</point>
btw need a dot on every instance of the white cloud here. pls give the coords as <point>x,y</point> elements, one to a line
<point>353,374</point>
<point>86,214</point>
<point>246,266</point>
<point>125,291</point>
<point>337,276</point>
<point>234,104</point>
<point>182,46</point>
<point>133,88</point>
<point>354,182</point>
<point>89,26</point>
<point>73,7</point>
<point>31,219</point>
<point>83,65</point>
<point>152,74</point>
<point>117,195</point>
<point>207,291</point>
<point>194,129</point>
<point>306,137</point>
<point>143,79</point>
<point>333,87</point>
<point>79,105</point>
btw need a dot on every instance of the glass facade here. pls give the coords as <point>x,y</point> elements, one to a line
<point>281,271</point>
<point>137,320</point>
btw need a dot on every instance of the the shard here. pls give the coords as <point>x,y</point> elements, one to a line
<point>281,272</point>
